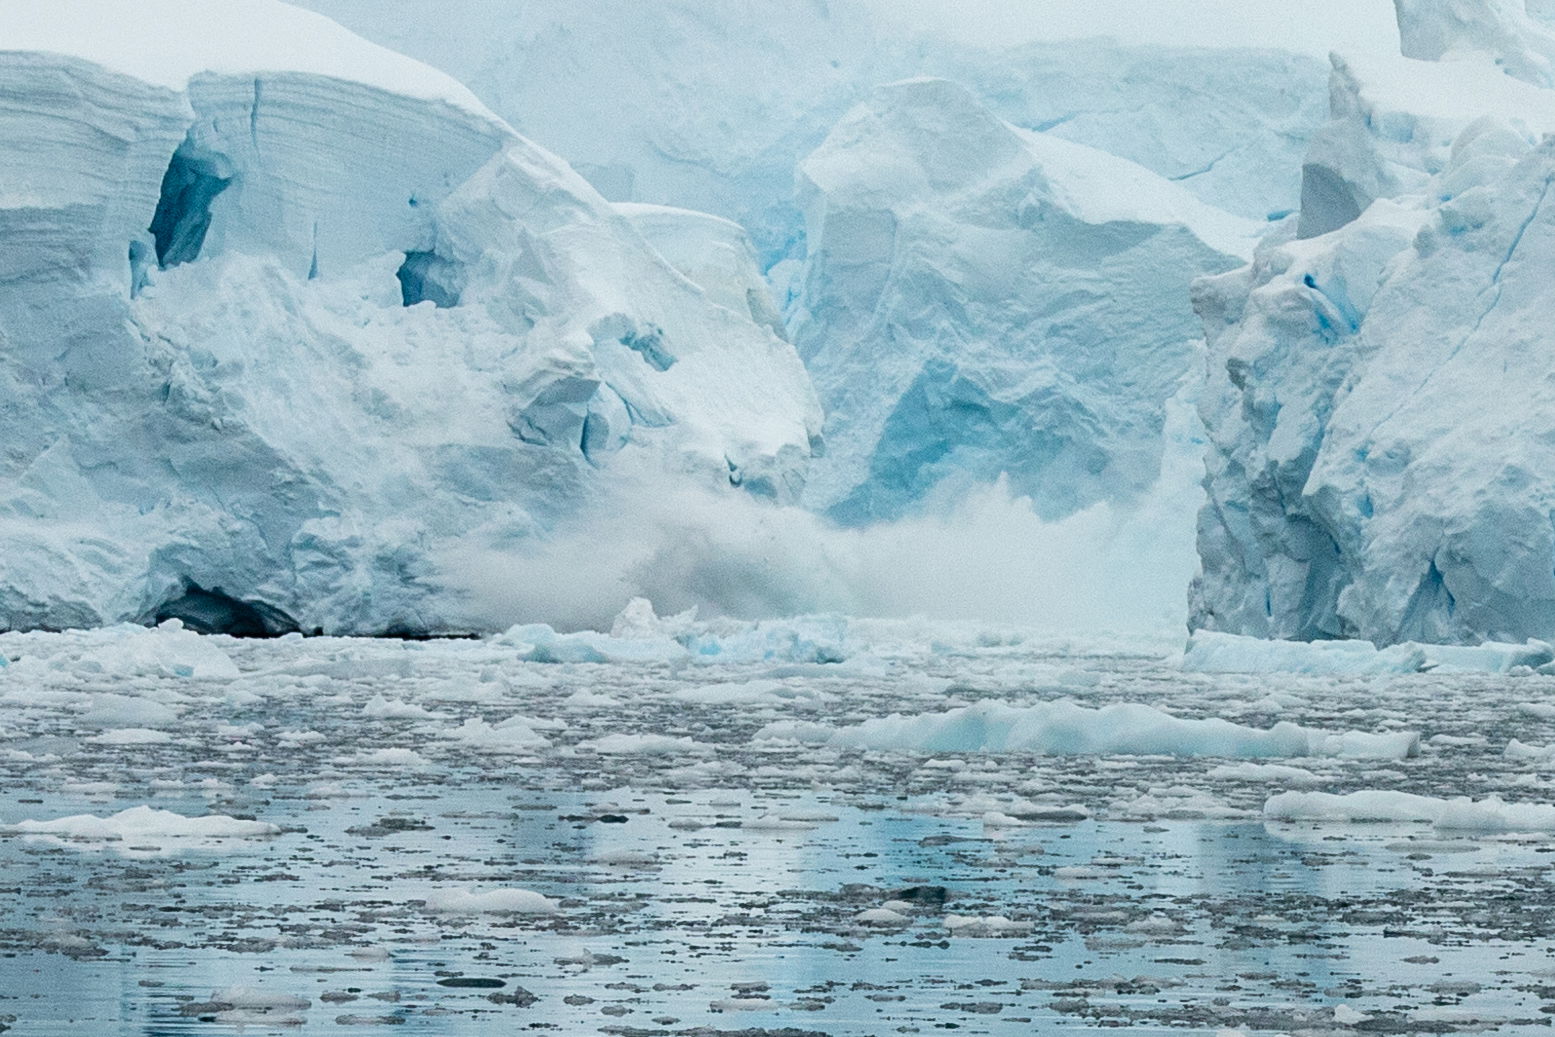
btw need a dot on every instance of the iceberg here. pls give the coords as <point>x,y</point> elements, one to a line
<point>284,313</point>
<point>981,300</point>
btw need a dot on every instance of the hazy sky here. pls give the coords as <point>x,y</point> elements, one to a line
<point>1309,26</point>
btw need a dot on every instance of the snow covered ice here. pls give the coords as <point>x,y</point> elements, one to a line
<point>270,453</point>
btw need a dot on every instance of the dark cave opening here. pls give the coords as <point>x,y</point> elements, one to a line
<point>183,215</point>
<point>212,612</point>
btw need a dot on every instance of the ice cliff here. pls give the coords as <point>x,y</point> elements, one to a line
<point>982,300</point>
<point>1381,408</point>
<point>281,312</point>
<point>711,105</point>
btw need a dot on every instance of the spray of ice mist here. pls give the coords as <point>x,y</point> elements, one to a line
<point>984,557</point>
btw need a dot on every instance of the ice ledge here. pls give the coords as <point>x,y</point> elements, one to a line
<point>1212,652</point>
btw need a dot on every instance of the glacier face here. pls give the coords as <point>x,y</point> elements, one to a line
<point>279,318</point>
<point>981,300</point>
<point>737,92</point>
<point>1379,408</point>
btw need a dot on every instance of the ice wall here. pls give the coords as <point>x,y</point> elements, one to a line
<point>281,314</point>
<point>981,300</point>
<point>1378,406</point>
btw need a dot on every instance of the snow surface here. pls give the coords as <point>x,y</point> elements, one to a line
<point>1315,28</point>
<point>980,300</point>
<point>170,42</point>
<point>1395,122</point>
<point>368,320</point>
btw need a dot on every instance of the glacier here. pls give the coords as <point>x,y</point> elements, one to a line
<point>741,90</point>
<point>1379,418</point>
<point>981,300</point>
<point>282,312</point>
<point>740,93</point>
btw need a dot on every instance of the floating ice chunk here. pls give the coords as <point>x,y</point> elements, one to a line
<point>1344,1015</point>
<point>380,708</point>
<point>514,735</point>
<point>588,698</point>
<point>250,999</point>
<point>167,651</point>
<point>646,745</point>
<point>465,901</point>
<point>1490,657</point>
<point>1273,773</point>
<point>768,823</point>
<point>541,644</point>
<point>247,1006</point>
<point>986,925</point>
<point>1067,728</point>
<point>803,639</point>
<point>742,1004</point>
<point>1459,814</point>
<point>147,824</point>
<point>881,916</point>
<point>998,819</point>
<point>1516,750</point>
<point>110,710</point>
<point>393,757</point>
<point>739,693</point>
<point>131,736</point>
<point>1213,652</point>
<point>639,636</point>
